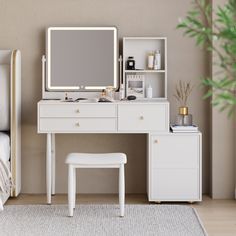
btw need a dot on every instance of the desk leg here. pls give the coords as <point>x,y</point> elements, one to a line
<point>53,164</point>
<point>49,167</point>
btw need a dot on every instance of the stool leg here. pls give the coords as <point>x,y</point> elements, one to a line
<point>122,190</point>
<point>74,190</point>
<point>70,189</point>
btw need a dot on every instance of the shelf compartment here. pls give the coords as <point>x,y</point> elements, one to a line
<point>157,82</point>
<point>140,47</point>
<point>144,71</point>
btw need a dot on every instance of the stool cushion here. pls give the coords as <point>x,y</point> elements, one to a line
<point>96,159</point>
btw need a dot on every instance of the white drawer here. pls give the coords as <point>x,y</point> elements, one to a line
<point>76,125</point>
<point>143,117</point>
<point>77,110</point>
<point>175,151</point>
<point>175,185</point>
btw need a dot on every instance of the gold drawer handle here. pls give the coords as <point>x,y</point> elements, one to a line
<point>156,141</point>
<point>77,111</point>
<point>141,118</point>
<point>77,124</point>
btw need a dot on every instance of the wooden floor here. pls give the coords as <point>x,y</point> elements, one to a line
<point>218,216</point>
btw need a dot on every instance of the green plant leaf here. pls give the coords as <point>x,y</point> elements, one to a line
<point>222,32</point>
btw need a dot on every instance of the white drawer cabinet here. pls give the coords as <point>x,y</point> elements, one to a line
<point>174,167</point>
<point>117,117</point>
<point>77,125</point>
<point>175,151</point>
<point>59,117</point>
<point>77,110</point>
<point>143,117</point>
<point>175,184</point>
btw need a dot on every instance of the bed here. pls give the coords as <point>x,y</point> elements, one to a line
<point>10,120</point>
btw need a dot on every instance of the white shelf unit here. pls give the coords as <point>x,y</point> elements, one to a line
<point>145,71</point>
<point>139,47</point>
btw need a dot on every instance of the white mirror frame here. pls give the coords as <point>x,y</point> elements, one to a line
<point>50,88</point>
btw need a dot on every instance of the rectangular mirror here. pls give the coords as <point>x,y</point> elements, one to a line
<point>81,58</point>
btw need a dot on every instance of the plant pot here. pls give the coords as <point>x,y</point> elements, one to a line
<point>188,120</point>
<point>183,111</point>
<point>184,120</point>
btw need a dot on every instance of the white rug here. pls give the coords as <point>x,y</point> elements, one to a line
<point>160,220</point>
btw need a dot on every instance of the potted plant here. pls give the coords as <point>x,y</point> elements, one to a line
<point>219,37</point>
<point>182,92</point>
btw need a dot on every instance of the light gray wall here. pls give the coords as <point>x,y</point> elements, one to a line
<point>23,24</point>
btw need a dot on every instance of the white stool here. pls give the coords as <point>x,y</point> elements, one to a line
<point>91,160</point>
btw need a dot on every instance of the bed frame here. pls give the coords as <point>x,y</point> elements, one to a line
<point>13,58</point>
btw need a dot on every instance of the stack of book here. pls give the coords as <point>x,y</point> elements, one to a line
<point>184,129</point>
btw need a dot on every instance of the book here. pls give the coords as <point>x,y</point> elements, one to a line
<point>183,129</point>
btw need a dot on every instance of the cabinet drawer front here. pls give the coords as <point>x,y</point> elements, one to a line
<point>138,117</point>
<point>78,110</point>
<point>175,151</point>
<point>175,184</point>
<point>76,125</point>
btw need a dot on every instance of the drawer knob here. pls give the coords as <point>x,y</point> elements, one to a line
<point>77,111</point>
<point>77,124</point>
<point>141,118</point>
<point>156,141</point>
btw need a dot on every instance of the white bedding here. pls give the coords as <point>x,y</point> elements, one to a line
<point>4,195</point>
<point>4,97</point>
<point>5,175</point>
<point>4,147</point>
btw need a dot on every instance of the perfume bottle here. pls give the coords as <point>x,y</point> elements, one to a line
<point>130,64</point>
<point>103,93</point>
<point>157,60</point>
<point>149,91</point>
<point>150,60</point>
<point>110,92</point>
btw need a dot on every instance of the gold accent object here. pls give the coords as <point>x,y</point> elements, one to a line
<point>183,110</point>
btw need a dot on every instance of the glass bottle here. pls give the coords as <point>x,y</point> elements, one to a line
<point>130,64</point>
<point>150,60</point>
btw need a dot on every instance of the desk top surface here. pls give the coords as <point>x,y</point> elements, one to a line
<point>93,101</point>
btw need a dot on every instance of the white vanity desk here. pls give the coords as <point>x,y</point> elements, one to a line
<point>173,159</point>
<point>178,165</point>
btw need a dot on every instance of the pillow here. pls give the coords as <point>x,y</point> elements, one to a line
<point>4,97</point>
